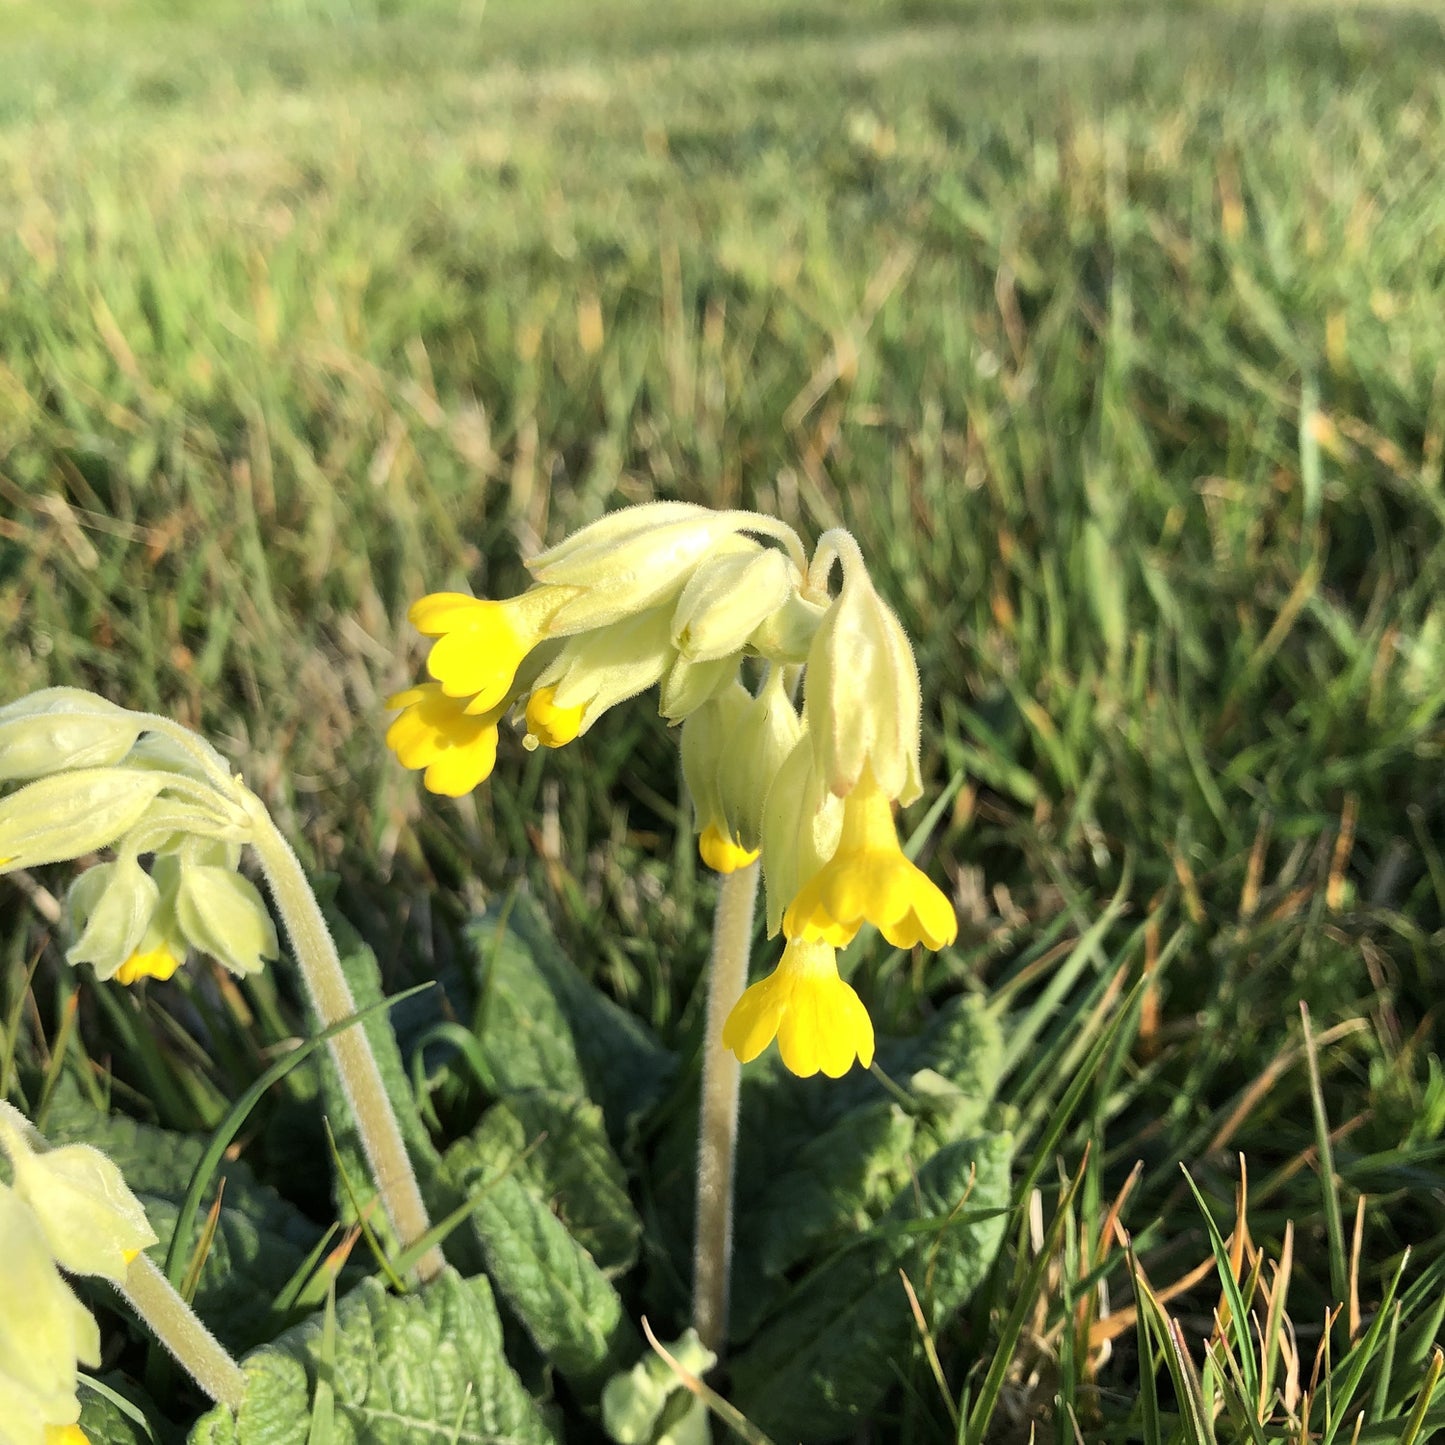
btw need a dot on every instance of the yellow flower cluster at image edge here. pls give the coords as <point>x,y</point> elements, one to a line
<point>96,776</point>
<point>68,1209</point>
<point>681,597</point>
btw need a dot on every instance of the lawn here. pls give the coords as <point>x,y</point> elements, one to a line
<point>1112,331</point>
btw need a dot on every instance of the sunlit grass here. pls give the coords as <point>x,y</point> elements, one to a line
<point>1116,339</point>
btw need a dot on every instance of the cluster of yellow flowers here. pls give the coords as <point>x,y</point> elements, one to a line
<point>678,596</point>
<point>69,1209</point>
<point>97,775</point>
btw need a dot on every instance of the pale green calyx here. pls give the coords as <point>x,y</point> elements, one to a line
<point>727,598</point>
<point>861,695</point>
<point>801,825</point>
<point>223,914</point>
<point>732,749</point>
<point>110,909</point>
<point>62,727</point>
<point>597,670</point>
<point>91,1221</point>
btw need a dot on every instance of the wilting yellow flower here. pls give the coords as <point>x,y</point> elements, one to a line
<point>481,644</point>
<point>720,853</point>
<point>868,880</point>
<point>436,732</point>
<point>550,725</point>
<point>817,1019</point>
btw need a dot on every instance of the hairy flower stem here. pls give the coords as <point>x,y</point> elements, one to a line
<point>172,1321</point>
<point>718,1128</point>
<point>331,998</point>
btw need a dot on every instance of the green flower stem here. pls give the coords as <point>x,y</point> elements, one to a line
<point>718,1127</point>
<point>331,997</point>
<point>173,1322</point>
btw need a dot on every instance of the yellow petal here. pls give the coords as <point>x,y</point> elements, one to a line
<point>550,725</point>
<point>158,963</point>
<point>720,853</point>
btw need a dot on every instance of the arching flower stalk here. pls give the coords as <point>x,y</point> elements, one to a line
<point>681,597</point>
<point>97,776</point>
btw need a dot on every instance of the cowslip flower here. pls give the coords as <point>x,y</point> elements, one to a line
<point>457,748</point>
<point>680,597</point>
<point>480,644</point>
<point>819,1021</point>
<point>868,880</point>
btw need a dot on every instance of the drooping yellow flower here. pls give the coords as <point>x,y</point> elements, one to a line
<point>868,880</point>
<point>480,644</point>
<point>721,853</point>
<point>436,732</point>
<point>548,724</point>
<point>818,1020</point>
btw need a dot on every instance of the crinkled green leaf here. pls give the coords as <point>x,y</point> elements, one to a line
<point>819,1367</point>
<point>261,1239</point>
<point>546,1027</point>
<point>551,1283</point>
<point>405,1370</point>
<point>576,1169</point>
<point>106,1422</point>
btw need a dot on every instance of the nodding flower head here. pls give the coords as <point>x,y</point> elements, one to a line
<point>724,613</point>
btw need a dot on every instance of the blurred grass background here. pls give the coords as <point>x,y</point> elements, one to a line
<point>1112,330</point>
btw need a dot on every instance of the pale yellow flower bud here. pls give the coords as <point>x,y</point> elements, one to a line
<point>689,684</point>
<point>59,728</point>
<point>91,1221</point>
<point>861,694</point>
<point>705,738</point>
<point>42,1341</point>
<point>727,598</point>
<point>633,560</point>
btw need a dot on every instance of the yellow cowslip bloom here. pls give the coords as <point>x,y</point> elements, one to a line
<point>868,880</point>
<point>434,731</point>
<point>720,853</point>
<point>818,1020</point>
<point>548,724</point>
<point>65,1435</point>
<point>480,644</point>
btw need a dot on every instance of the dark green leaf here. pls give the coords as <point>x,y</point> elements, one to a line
<point>422,1367</point>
